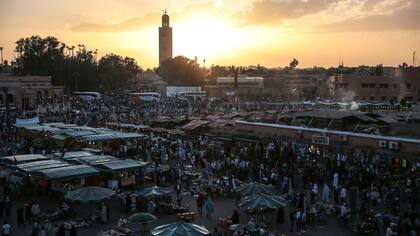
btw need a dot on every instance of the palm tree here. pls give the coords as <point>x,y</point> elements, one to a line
<point>1,52</point>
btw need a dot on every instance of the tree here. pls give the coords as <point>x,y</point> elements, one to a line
<point>115,71</point>
<point>79,70</point>
<point>39,56</point>
<point>293,64</point>
<point>182,71</point>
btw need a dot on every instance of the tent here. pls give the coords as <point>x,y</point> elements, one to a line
<point>180,229</point>
<point>154,191</point>
<point>255,188</point>
<point>18,159</point>
<point>90,194</point>
<point>141,217</point>
<point>262,201</point>
<point>67,172</point>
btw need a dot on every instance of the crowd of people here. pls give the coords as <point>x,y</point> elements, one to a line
<point>365,189</point>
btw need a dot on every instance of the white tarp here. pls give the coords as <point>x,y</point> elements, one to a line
<point>27,122</point>
<point>172,91</point>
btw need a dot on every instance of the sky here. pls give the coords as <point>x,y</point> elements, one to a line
<point>226,32</point>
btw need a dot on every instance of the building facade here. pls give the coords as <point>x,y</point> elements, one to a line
<point>22,91</point>
<point>403,83</point>
<point>227,88</point>
<point>165,39</point>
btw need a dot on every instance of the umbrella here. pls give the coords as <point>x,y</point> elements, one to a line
<point>262,201</point>
<point>255,188</point>
<point>154,191</point>
<point>89,194</point>
<point>180,229</point>
<point>142,217</point>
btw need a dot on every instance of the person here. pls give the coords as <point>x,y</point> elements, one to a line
<point>28,208</point>
<point>200,203</point>
<point>104,213</point>
<point>35,229</point>
<point>6,229</point>
<point>298,220</point>
<point>326,193</point>
<point>390,231</point>
<point>280,215</point>
<point>343,195</point>
<point>73,231</point>
<point>49,228</point>
<point>61,230</point>
<point>209,206</point>
<point>344,211</point>
<point>35,210</point>
<point>292,220</point>
<point>179,200</point>
<point>19,216</point>
<point>235,217</point>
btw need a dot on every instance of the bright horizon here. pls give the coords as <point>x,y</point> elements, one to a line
<point>235,32</point>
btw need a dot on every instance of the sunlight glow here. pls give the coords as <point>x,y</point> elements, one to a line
<point>208,36</point>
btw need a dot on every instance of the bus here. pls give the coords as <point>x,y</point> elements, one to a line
<point>193,95</point>
<point>87,96</point>
<point>145,97</point>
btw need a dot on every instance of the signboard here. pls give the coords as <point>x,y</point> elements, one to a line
<point>323,140</point>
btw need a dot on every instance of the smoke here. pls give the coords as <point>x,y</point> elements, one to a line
<point>354,106</point>
<point>347,96</point>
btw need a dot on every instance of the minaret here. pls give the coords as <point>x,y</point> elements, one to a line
<point>165,39</point>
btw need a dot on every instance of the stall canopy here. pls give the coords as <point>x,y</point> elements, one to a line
<point>67,172</point>
<point>262,201</point>
<point>71,155</point>
<point>40,165</point>
<point>18,159</point>
<point>255,188</point>
<point>60,131</point>
<point>112,136</point>
<point>111,164</point>
<point>180,228</point>
<point>90,194</point>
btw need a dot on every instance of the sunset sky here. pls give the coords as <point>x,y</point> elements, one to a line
<point>226,32</point>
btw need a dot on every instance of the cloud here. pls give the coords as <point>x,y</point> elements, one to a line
<point>152,19</point>
<point>405,19</point>
<point>128,25</point>
<point>266,12</point>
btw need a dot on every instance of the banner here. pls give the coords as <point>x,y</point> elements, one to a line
<point>323,140</point>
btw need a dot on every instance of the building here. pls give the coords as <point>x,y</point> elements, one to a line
<point>22,91</point>
<point>149,81</point>
<point>402,83</point>
<point>165,39</point>
<point>394,145</point>
<point>294,86</point>
<point>226,87</point>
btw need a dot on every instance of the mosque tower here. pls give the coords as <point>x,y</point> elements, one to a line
<point>165,39</point>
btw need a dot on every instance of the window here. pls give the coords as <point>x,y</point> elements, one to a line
<point>372,85</point>
<point>383,85</point>
<point>395,86</point>
<point>372,98</point>
<point>365,85</point>
<point>408,86</point>
<point>383,98</point>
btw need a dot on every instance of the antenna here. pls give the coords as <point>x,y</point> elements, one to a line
<point>414,59</point>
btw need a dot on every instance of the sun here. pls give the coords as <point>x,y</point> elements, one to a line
<point>206,37</point>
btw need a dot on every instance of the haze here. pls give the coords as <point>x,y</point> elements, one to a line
<point>240,32</point>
